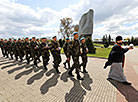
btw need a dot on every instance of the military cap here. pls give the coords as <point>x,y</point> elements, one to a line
<point>82,38</point>
<point>75,33</point>
<point>54,37</point>
<point>67,38</point>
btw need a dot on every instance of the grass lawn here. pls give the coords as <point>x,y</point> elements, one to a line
<point>100,52</point>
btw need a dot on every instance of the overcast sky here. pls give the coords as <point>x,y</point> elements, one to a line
<point>21,18</point>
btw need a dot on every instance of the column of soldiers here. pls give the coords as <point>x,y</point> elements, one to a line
<point>32,49</point>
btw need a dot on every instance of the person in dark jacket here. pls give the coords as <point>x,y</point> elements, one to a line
<point>116,59</point>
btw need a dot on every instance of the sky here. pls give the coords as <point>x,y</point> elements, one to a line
<point>41,18</point>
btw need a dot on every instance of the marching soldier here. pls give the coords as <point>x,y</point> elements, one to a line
<point>10,51</point>
<point>2,47</point>
<point>19,46</point>
<point>83,51</point>
<point>75,52</point>
<point>39,51</point>
<point>45,52</point>
<point>67,53</point>
<point>14,48</point>
<point>55,51</point>
<point>27,49</point>
<point>34,50</point>
<point>6,48</point>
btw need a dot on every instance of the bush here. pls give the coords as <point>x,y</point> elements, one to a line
<point>90,46</point>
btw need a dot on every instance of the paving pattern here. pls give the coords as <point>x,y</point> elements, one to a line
<point>20,82</point>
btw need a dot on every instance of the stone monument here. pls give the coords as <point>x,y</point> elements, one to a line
<point>86,24</point>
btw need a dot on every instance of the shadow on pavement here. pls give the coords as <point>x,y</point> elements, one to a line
<point>26,72</point>
<point>87,82</point>
<point>36,77</point>
<point>50,82</point>
<point>129,92</point>
<point>19,68</point>
<point>76,94</point>
<point>65,76</point>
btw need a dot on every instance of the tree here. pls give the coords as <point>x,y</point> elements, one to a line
<point>109,39</point>
<point>66,27</point>
<point>90,46</point>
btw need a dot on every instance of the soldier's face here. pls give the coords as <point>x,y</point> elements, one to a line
<point>55,39</point>
<point>76,36</point>
<point>83,41</point>
<point>33,39</point>
<point>26,39</point>
<point>67,41</point>
<point>44,40</point>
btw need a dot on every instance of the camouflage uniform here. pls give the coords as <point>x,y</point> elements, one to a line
<point>55,51</point>
<point>39,50</point>
<point>14,48</point>
<point>5,48</point>
<point>84,51</point>
<point>27,51</point>
<point>2,47</point>
<point>19,46</point>
<point>10,51</point>
<point>67,53</point>
<point>45,53</point>
<point>34,51</point>
<point>75,52</point>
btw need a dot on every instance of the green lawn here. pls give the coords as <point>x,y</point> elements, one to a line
<point>100,52</point>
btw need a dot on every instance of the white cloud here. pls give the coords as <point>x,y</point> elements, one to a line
<point>117,17</point>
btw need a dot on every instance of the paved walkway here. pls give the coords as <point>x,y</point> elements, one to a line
<point>24,83</point>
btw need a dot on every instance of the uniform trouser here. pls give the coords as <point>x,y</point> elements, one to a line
<point>6,52</point>
<point>75,65</point>
<point>67,60</point>
<point>35,56</point>
<point>84,61</point>
<point>21,54</point>
<point>11,53</point>
<point>16,54</point>
<point>2,51</point>
<point>57,60</point>
<point>28,55</point>
<point>45,59</point>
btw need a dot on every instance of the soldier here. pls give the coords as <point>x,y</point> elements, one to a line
<point>6,48</point>
<point>20,49</point>
<point>39,51</point>
<point>67,53</point>
<point>27,49</point>
<point>2,47</point>
<point>15,49</point>
<point>83,51</point>
<point>10,51</point>
<point>45,52</point>
<point>75,52</point>
<point>55,51</point>
<point>34,50</point>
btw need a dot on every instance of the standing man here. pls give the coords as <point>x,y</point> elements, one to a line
<point>45,52</point>
<point>67,53</point>
<point>34,50</point>
<point>39,51</point>
<point>55,51</point>
<point>6,48</point>
<point>75,52</point>
<point>83,51</point>
<point>116,60</point>
<point>10,51</point>
<point>14,48</point>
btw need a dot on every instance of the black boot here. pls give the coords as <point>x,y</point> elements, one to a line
<point>64,64</point>
<point>126,83</point>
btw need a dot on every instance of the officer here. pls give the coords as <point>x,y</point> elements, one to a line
<point>83,51</point>
<point>67,53</point>
<point>75,52</point>
<point>34,50</point>
<point>39,51</point>
<point>55,51</point>
<point>45,52</point>
<point>27,49</point>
